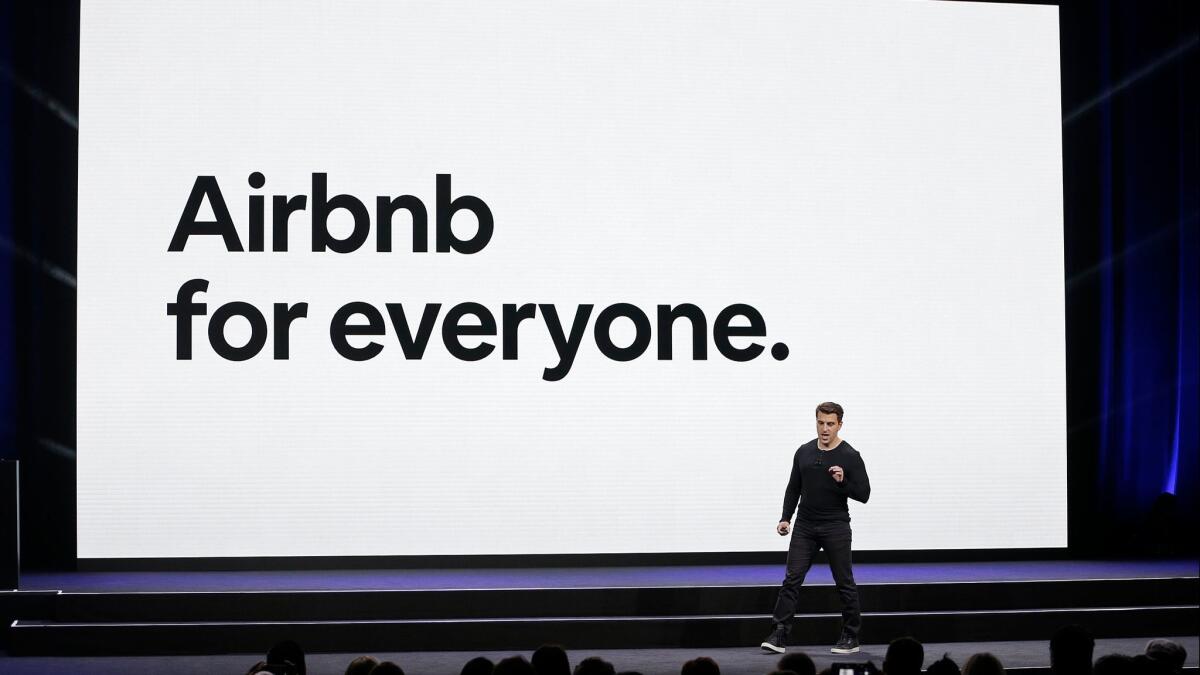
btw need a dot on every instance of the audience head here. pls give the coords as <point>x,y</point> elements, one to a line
<point>905,656</point>
<point>1170,654</point>
<point>387,668</point>
<point>1071,651</point>
<point>287,654</point>
<point>480,665</point>
<point>513,665</point>
<point>1114,664</point>
<point>799,663</point>
<point>551,660</point>
<point>594,665</point>
<point>984,663</point>
<point>701,666</point>
<point>1144,665</point>
<point>943,666</point>
<point>362,665</point>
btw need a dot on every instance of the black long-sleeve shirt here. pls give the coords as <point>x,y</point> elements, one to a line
<point>824,498</point>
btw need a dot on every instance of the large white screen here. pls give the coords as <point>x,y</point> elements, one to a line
<point>881,180</point>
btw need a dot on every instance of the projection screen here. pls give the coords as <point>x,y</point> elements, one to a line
<point>857,202</point>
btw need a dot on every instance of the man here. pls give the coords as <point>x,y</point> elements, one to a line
<point>1071,650</point>
<point>826,472</point>
<point>905,656</point>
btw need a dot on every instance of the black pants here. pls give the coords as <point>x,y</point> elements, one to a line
<point>807,539</point>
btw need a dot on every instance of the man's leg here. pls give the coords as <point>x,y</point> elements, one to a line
<point>801,551</point>
<point>837,547</point>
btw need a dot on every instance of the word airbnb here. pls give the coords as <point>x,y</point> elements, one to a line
<point>465,328</point>
<point>282,208</point>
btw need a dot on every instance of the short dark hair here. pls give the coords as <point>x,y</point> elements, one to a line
<point>551,660</point>
<point>362,665</point>
<point>983,663</point>
<point>289,653</point>
<point>1071,650</point>
<point>513,665</point>
<point>480,665</point>
<point>1168,652</point>
<point>905,656</point>
<point>943,666</point>
<point>799,663</point>
<point>1115,664</point>
<point>702,665</point>
<point>830,408</point>
<point>594,665</point>
<point>387,668</point>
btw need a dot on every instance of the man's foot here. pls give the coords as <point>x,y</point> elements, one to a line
<point>848,644</point>
<point>776,641</point>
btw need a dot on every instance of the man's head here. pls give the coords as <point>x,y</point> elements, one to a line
<point>551,660</point>
<point>983,663</point>
<point>943,666</point>
<point>702,665</point>
<point>287,653</point>
<point>480,665</point>
<point>829,421</point>
<point>798,663</point>
<point>1115,664</point>
<point>513,665</point>
<point>1071,651</point>
<point>594,665</point>
<point>1169,653</point>
<point>905,656</point>
<point>362,665</point>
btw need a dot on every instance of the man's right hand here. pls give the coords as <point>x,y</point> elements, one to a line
<point>783,527</point>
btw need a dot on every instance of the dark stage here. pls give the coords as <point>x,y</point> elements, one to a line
<point>694,607</point>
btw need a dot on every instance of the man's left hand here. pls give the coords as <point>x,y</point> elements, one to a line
<point>837,473</point>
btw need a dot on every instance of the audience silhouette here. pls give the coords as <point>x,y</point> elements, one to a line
<point>701,666</point>
<point>798,663</point>
<point>905,656</point>
<point>513,665</point>
<point>594,665</point>
<point>550,660</point>
<point>1071,649</point>
<point>1170,654</point>
<point>983,664</point>
<point>943,666</point>
<point>482,665</point>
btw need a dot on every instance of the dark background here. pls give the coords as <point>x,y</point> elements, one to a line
<point>1130,159</point>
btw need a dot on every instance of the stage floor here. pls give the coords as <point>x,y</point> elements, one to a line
<point>647,609</point>
<point>600,577</point>
<point>733,661</point>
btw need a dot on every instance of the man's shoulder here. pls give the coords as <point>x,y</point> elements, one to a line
<point>849,449</point>
<point>804,449</point>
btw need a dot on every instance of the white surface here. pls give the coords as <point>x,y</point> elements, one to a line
<point>882,180</point>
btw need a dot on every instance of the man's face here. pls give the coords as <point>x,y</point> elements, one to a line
<point>827,427</point>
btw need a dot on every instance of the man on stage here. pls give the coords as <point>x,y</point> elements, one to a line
<point>825,472</point>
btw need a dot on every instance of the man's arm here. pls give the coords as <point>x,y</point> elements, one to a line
<point>857,485</point>
<point>791,496</point>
